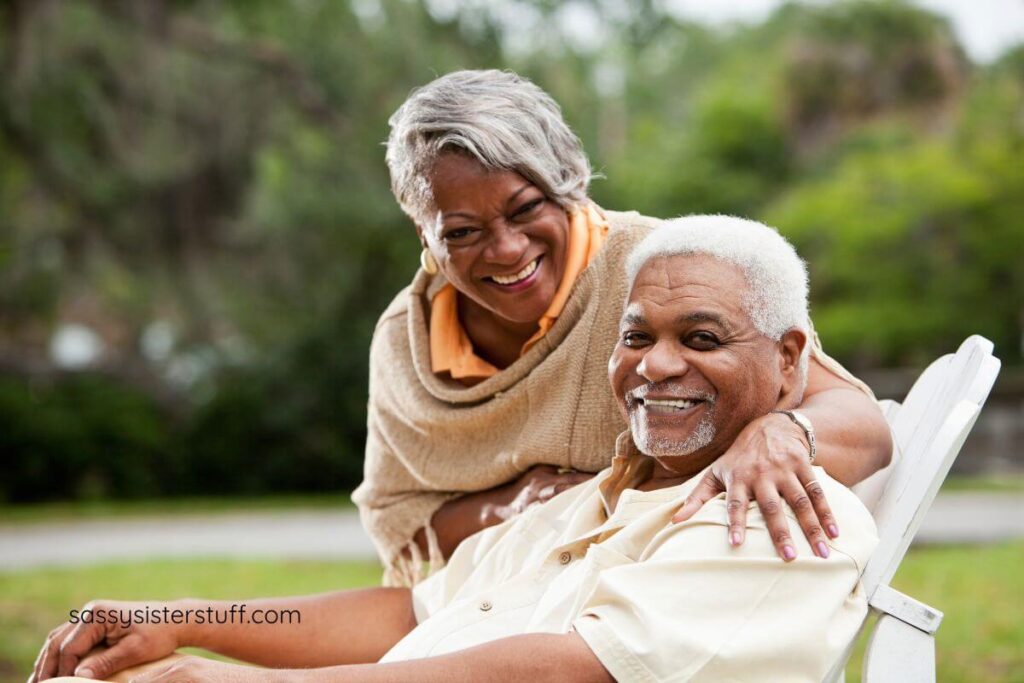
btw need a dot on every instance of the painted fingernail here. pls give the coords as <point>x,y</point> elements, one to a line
<point>822,549</point>
<point>833,531</point>
<point>734,538</point>
<point>788,552</point>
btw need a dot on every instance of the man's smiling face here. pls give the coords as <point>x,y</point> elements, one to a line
<point>690,370</point>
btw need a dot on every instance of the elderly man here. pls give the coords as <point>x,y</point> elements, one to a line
<point>598,584</point>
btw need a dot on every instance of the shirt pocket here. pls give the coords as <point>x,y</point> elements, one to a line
<point>571,587</point>
<point>599,558</point>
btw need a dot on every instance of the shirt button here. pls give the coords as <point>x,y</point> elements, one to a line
<point>485,606</point>
<point>565,558</point>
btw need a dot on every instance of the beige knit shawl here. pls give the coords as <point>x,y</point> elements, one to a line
<point>431,439</point>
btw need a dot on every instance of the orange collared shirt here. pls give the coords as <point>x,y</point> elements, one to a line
<point>450,348</point>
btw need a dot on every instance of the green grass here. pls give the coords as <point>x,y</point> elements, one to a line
<point>155,507</point>
<point>1008,483</point>
<point>981,590</point>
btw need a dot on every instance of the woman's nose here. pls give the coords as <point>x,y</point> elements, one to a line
<point>662,361</point>
<point>507,245</point>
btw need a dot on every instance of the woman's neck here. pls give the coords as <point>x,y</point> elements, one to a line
<point>496,340</point>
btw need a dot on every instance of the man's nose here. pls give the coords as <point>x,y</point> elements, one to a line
<point>507,245</point>
<point>662,361</point>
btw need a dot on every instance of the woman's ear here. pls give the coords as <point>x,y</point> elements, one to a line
<point>419,235</point>
<point>794,373</point>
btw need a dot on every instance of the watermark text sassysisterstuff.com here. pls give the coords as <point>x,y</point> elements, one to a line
<point>164,614</point>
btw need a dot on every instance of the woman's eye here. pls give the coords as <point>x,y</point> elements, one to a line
<point>457,234</point>
<point>527,208</point>
<point>702,341</point>
<point>633,339</point>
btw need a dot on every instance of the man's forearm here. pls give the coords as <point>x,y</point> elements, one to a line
<point>535,657</point>
<point>853,438</point>
<point>346,627</point>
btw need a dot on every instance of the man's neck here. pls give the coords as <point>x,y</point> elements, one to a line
<point>673,470</point>
<point>663,478</point>
<point>633,469</point>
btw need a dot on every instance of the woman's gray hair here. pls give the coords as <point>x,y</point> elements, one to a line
<point>501,119</point>
<point>776,296</point>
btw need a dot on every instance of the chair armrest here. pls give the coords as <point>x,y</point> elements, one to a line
<point>890,601</point>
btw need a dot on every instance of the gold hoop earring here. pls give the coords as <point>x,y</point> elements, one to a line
<point>428,263</point>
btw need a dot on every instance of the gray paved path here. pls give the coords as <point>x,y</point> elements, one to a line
<point>337,534</point>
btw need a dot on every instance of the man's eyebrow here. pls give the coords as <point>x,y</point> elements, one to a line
<point>633,318</point>
<point>703,317</point>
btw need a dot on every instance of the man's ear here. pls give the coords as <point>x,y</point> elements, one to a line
<point>794,374</point>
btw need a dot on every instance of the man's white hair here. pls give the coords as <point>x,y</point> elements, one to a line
<point>501,119</point>
<point>776,296</point>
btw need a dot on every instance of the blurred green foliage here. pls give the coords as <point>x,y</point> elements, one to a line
<point>203,186</point>
<point>82,437</point>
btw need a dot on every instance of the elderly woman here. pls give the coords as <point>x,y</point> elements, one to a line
<point>488,387</point>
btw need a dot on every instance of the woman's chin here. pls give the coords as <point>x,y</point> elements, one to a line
<point>522,313</point>
<point>520,308</point>
<point>517,318</point>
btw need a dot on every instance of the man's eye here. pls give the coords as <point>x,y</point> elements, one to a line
<point>702,341</point>
<point>634,339</point>
<point>528,208</point>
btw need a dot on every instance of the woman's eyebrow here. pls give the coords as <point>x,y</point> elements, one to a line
<point>518,192</point>
<point>458,214</point>
<point>464,214</point>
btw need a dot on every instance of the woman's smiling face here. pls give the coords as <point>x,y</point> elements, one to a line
<point>496,237</point>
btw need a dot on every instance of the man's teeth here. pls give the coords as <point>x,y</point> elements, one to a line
<point>521,275</point>
<point>681,404</point>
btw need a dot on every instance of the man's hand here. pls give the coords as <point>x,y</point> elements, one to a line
<point>769,459</point>
<point>68,649</point>
<point>538,484</point>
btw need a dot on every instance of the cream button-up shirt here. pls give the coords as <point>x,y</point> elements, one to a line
<point>655,601</point>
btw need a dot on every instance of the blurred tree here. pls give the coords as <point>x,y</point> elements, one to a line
<point>910,212</point>
<point>847,63</point>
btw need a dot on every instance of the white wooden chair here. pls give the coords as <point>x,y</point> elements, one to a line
<point>929,429</point>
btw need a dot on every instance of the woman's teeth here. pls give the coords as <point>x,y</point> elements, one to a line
<point>526,272</point>
<point>679,404</point>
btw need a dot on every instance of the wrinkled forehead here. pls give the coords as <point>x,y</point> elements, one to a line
<point>681,289</point>
<point>689,275</point>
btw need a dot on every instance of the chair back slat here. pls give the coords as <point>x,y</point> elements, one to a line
<point>916,407</point>
<point>966,375</point>
<point>906,500</point>
<point>929,428</point>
